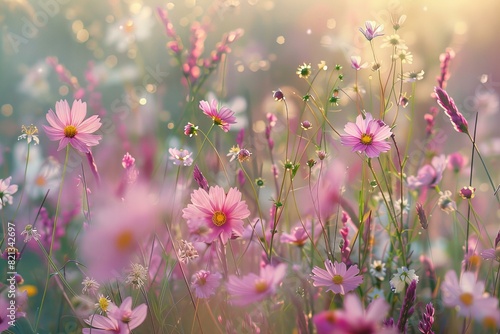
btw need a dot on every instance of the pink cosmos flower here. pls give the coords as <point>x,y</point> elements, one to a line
<point>205,283</point>
<point>467,295</point>
<point>69,127</point>
<point>337,277</point>
<point>222,117</point>
<point>356,63</point>
<point>222,214</point>
<point>253,288</point>
<point>429,175</point>
<point>300,234</point>
<point>119,319</point>
<point>180,157</point>
<point>367,135</point>
<point>353,318</point>
<point>373,29</point>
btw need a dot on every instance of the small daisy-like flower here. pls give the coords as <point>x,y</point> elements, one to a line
<point>304,71</point>
<point>222,117</point>
<point>467,192</point>
<point>253,288</point>
<point>376,293</point>
<point>233,152</point>
<point>221,213</point>
<point>337,278</point>
<point>413,76</point>
<point>322,66</point>
<point>69,127</point>
<point>90,286</point>
<point>278,95</point>
<point>259,182</point>
<point>377,269</point>
<point>367,135</point>
<point>205,283</point>
<point>30,233</point>
<point>401,278</point>
<point>405,56</point>
<point>6,192</point>
<point>445,202</point>
<point>372,30</point>
<point>306,125</point>
<point>394,41</point>
<point>137,276</point>
<point>180,157</point>
<point>190,129</point>
<point>103,303</point>
<point>187,252</point>
<point>356,63</point>
<point>29,133</point>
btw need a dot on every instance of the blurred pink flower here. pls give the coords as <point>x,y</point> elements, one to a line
<point>6,191</point>
<point>119,319</point>
<point>205,283</point>
<point>118,227</point>
<point>367,135</point>
<point>429,175</point>
<point>180,157</point>
<point>301,233</point>
<point>456,161</point>
<point>337,278</point>
<point>353,318</point>
<point>221,213</point>
<point>356,63</point>
<point>253,288</point>
<point>222,117</point>
<point>467,295</point>
<point>69,127</point>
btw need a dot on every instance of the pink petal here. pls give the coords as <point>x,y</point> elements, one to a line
<point>53,120</point>
<point>78,112</point>
<point>63,112</point>
<point>90,125</point>
<point>138,316</point>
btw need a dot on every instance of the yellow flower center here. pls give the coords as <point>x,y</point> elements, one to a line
<point>219,218</point>
<point>366,139</point>
<point>103,303</point>
<point>489,322</point>
<point>337,279</point>
<point>466,298</point>
<point>217,120</point>
<point>261,286</point>
<point>124,240</point>
<point>70,131</point>
<point>40,180</point>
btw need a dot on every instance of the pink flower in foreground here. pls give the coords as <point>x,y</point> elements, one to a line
<point>337,278</point>
<point>222,117</point>
<point>119,320</point>
<point>353,318</point>
<point>205,283</point>
<point>221,213</point>
<point>467,295</point>
<point>69,127</point>
<point>367,135</point>
<point>253,288</point>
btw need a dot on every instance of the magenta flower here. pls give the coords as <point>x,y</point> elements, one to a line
<point>222,117</point>
<point>429,175</point>
<point>353,318</point>
<point>367,135</point>
<point>337,278</point>
<point>372,30</point>
<point>69,127</point>
<point>119,319</point>
<point>446,102</point>
<point>205,283</point>
<point>222,214</point>
<point>253,288</point>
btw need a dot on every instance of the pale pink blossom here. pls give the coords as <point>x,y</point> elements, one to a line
<point>337,278</point>
<point>429,175</point>
<point>205,283</point>
<point>222,117</point>
<point>69,127</point>
<point>253,288</point>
